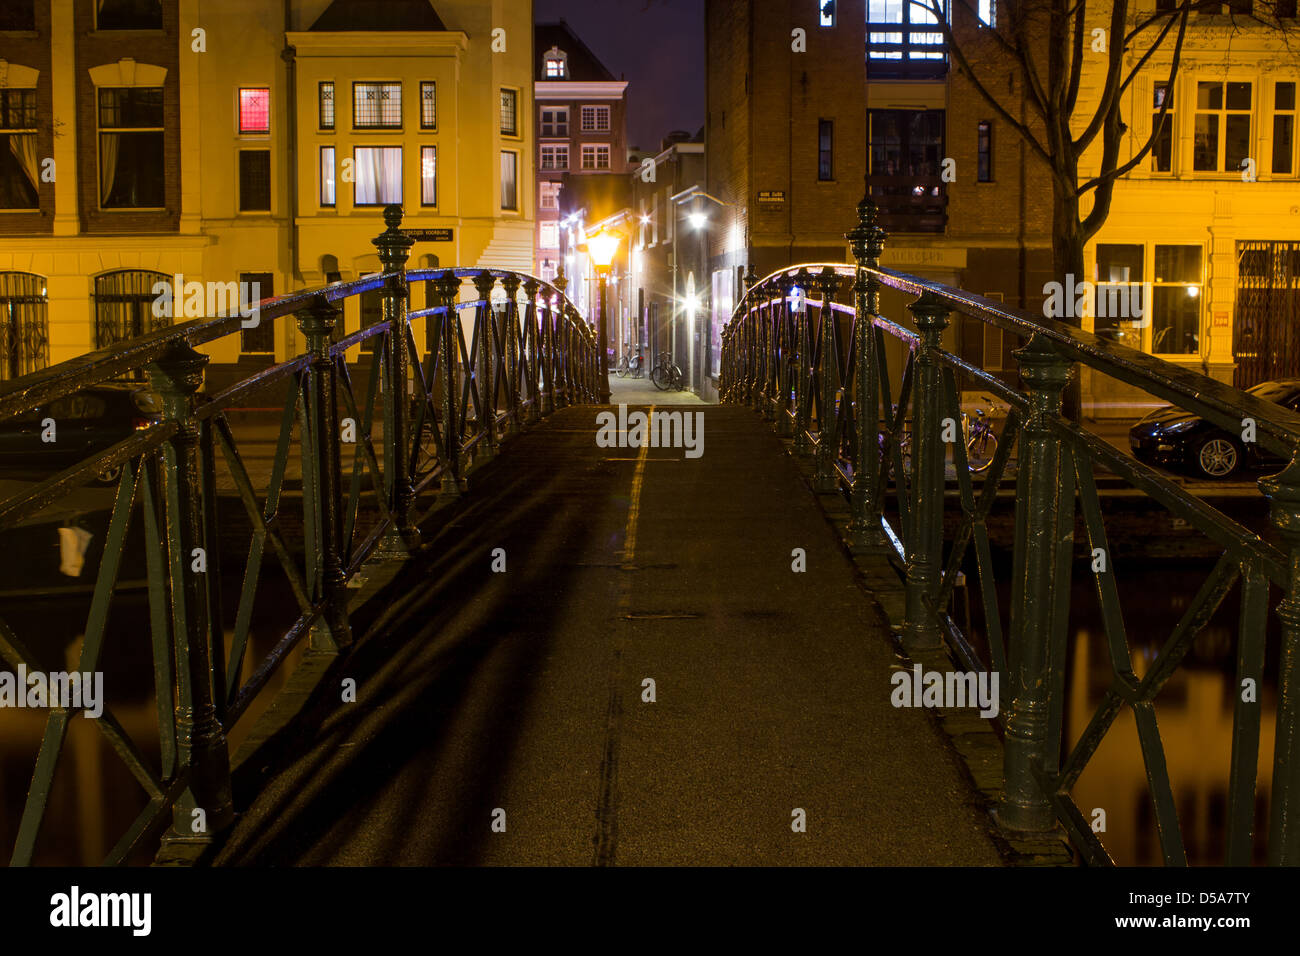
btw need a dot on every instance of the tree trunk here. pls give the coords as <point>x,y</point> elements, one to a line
<point>1068,269</point>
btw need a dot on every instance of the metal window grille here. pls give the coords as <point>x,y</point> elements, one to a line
<point>24,325</point>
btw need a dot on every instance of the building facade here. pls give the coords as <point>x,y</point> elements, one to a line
<point>248,142</point>
<point>581,134</point>
<point>806,101</point>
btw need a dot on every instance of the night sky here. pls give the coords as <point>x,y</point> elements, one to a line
<point>656,45</point>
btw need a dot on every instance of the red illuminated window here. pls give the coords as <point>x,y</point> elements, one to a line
<point>254,111</point>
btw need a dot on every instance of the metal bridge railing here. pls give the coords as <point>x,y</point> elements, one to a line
<point>529,352</point>
<point>817,367</point>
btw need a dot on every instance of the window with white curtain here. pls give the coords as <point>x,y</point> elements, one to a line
<point>429,175</point>
<point>327,194</point>
<point>19,164</point>
<point>378,175</point>
<point>131,171</point>
<point>509,180</point>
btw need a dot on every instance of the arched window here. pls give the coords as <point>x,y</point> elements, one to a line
<point>124,306</point>
<point>556,64</point>
<point>24,324</point>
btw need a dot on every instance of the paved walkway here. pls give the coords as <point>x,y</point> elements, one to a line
<point>524,691</point>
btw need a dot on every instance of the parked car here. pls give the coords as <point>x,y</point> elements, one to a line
<point>1175,437</point>
<point>85,423</point>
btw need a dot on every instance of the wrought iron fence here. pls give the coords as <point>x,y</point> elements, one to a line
<point>524,358</point>
<point>816,367</point>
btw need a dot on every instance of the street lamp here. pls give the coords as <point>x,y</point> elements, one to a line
<point>602,247</point>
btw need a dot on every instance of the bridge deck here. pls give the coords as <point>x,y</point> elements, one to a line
<point>523,690</point>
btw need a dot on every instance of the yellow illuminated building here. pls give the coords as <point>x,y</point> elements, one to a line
<point>253,141</point>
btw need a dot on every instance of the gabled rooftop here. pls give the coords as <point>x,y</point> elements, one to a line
<point>379,16</point>
<point>583,65</point>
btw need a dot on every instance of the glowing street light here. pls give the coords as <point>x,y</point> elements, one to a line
<point>602,248</point>
<point>697,220</point>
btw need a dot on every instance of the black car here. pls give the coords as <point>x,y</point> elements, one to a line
<point>1175,437</point>
<point>84,423</point>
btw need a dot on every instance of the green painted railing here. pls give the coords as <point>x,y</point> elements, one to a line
<point>818,369</point>
<point>528,353</point>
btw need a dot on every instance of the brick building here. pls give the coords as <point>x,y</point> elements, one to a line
<point>246,141</point>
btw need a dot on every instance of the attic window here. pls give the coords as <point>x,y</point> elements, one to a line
<point>557,64</point>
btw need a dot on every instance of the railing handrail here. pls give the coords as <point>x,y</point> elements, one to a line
<point>1277,428</point>
<point>30,391</point>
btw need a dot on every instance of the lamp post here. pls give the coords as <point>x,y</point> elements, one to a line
<point>602,247</point>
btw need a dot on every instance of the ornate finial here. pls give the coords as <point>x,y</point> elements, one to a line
<point>751,277</point>
<point>393,215</point>
<point>867,238</point>
<point>560,282</point>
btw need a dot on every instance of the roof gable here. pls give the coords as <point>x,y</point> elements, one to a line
<point>583,65</point>
<point>379,15</point>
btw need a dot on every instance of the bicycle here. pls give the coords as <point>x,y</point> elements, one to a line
<point>630,364</point>
<point>665,375</point>
<point>980,440</point>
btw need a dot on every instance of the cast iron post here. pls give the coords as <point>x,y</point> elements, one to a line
<point>825,478</point>
<point>205,808</point>
<point>920,628</point>
<point>1283,493</point>
<point>394,249</point>
<point>868,241</point>
<point>1037,584</point>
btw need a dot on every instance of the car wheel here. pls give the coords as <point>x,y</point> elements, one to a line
<point>108,474</point>
<point>1216,457</point>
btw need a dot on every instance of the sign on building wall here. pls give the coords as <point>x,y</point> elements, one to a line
<point>430,235</point>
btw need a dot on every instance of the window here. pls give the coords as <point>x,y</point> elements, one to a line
<point>429,175</point>
<point>327,194</point>
<point>555,121</point>
<point>428,105</point>
<point>1119,311</point>
<point>984,152</point>
<point>124,306</point>
<point>905,156</point>
<point>18,15</point>
<point>826,12</point>
<point>129,15</point>
<point>255,180</point>
<point>825,151</point>
<point>254,111</point>
<point>988,12</point>
<point>378,175</point>
<point>1284,129</point>
<point>901,40</point>
<point>24,325</point>
<point>555,157</point>
<point>19,164</point>
<point>595,119</point>
<point>595,157</point>
<point>556,64</point>
<point>1222,141</point>
<point>326,111</point>
<point>509,180</point>
<point>1176,301</point>
<point>509,113</point>
<point>376,105</point>
<point>550,196</point>
<point>131,173</point>
<point>548,235</point>
<point>260,339</point>
<point>1162,150</point>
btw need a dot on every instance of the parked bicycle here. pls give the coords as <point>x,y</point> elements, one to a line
<point>665,375</point>
<point>977,434</point>
<point>630,364</point>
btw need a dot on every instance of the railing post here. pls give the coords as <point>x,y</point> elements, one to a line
<point>484,283</point>
<point>1283,493</point>
<point>867,533</point>
<point>825,478</point>
<point>200,739</point>
<point>394,249</point>
<point>532,362</point>
<point>764,328</point>
<point>1037,584</point>
<point>920,630</point>
<point>510,327</point>
<point>316,324</point>
<point>447,288</point>
<point>803,358</point>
